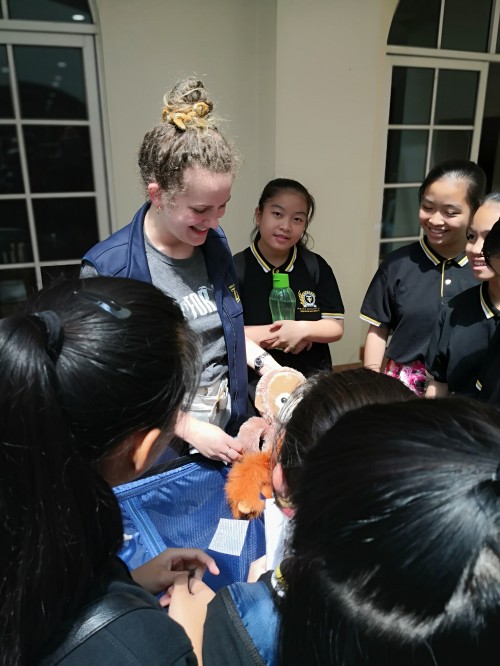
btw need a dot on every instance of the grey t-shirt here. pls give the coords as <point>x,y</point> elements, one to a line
<point>186,280</point>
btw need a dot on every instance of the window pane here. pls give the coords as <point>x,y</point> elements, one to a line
<point>415,23</point>
<point>450,145</point>
<point>51,273</point>
<point>16,285</point>
<point>456,97</point>
<point>411,96</point>
<point>11,180</point>
<point>400,212</point>
<point>406,152</point>
<point>50,10</point>
<point>66,228</point>
<point>489,149</point>
<point>59,158</point>
<point>15,241</point>
<point>51,83</point>
<point>466,25</point>
<point>387,248</point>
<point>6,108</point>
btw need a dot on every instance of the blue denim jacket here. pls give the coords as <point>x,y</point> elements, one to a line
<point>124,255</point>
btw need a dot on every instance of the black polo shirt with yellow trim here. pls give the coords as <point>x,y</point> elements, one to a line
<point>315,301</point>
<point>461,338</point>
<point>407,294</point>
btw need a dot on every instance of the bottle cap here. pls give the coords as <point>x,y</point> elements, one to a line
<point>280,280</point>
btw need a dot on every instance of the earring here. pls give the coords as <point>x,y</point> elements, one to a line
<point>158,210</point>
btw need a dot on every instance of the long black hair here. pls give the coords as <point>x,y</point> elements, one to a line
<point>396,547</point>
<point>84,365</point>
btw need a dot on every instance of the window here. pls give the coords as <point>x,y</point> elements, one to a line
<point>444,102</point>
<point>53,199</point>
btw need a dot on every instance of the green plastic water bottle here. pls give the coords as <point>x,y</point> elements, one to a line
<point>282,299</point>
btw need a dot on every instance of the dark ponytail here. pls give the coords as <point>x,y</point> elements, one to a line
<point>75,383</point>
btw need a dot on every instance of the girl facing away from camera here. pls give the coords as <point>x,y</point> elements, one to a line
<point>242,621</point>
<point>187,169</point>
<point>93,375</point>
<point>413,283</point>
<point>279,245</point>
<point>463,333</point>
<point>395,554</point>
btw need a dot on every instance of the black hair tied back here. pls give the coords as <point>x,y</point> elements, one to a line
<point>54,332</point>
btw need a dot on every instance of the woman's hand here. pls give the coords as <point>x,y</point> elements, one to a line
<point>188,606</point>
<point>158,574</point>
<point>208,439</point>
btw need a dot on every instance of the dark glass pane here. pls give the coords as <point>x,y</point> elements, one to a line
<point>406,152</point>
<point>415,23</point>
<point>70,11</point>
<point>489,149</point>
<point>59,158</point>
<point>450,145</point>
<point>387,248</point>
<point>466,25</point>
<point>411,96</point>
<point>15,241</point>
<point>51,273</point>
<point>456,97</point>
<point>16,285</point>
<point>400,212</point>
<point>66,228</point>
<point>11,180</point>
<point>6,108</point>
<point>51,82</point>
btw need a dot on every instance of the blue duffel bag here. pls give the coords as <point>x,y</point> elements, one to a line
<point>182,504</point>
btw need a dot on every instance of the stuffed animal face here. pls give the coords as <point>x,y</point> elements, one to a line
<point>274,389</point>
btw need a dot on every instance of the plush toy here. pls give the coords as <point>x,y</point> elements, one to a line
<point>250,477</point>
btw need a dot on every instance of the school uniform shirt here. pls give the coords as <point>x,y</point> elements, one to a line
<point>407,293</point>
<point>488,382</point>
<point>315,301</point>
<point>459,344</point>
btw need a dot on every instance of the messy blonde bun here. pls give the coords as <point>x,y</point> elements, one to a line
<point>186,137</point>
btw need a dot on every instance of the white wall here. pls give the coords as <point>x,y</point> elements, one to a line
<point>304,84</point>
<point>332,101</point>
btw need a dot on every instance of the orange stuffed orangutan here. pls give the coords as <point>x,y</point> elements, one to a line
<point>250,478</point>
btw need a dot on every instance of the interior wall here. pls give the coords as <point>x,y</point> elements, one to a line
<point>147,45</point>
<point>332,94</point>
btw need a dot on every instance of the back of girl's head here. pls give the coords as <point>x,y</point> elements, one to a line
<point>279,185</point>
<point>459,170</point>
<point>85,365</point>
<point>319,403</point>
<point>396,547</point>
<point>187,137</point>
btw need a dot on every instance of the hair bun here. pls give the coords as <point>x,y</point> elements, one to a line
<point>187,104</point>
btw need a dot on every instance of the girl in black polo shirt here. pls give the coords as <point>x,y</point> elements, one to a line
<point>462,335</point>
<point>411,285</point>
<point>282,218</point>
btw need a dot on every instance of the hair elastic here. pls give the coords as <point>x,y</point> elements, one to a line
<point>111,307</point>
<point>54,332</point>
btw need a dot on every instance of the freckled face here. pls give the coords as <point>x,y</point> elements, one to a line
<point>484,219</point>
<point>444,215</point>
<point>197,208</point>
<point>282,221</point>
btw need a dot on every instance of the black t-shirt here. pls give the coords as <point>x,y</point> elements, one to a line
<point>315,300</point>
<point>461,338</point>
<point>141,636</point>
<point>407,293</point>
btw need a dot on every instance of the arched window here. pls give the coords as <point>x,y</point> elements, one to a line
<point>444,101</point>
<point>53,196</point>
